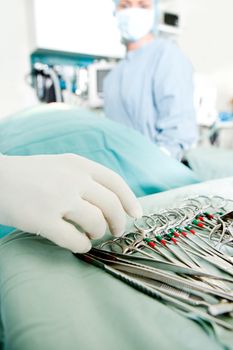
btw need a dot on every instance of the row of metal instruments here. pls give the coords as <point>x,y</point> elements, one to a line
<point>182,256</point>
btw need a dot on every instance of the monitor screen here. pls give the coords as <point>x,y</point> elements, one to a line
<point>101,74</point>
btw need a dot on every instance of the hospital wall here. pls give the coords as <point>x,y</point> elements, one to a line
<point>15,47</point>
<point>206,39</point>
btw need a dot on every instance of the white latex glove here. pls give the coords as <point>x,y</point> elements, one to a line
<point>38,194</point>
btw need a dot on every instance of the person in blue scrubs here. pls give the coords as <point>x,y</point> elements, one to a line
<point>151,90</point>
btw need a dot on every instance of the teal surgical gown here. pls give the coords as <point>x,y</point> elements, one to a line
<point>151,90</point>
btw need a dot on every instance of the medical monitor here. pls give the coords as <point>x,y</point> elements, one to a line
<point>97,72</point>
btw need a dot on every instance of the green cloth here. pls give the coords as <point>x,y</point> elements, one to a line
<point>50,300</point>
<point>56,129</point>
<point>211,162</point>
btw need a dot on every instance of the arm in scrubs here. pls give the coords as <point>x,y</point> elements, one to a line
<point>151,90</point>
<point>65,198</point>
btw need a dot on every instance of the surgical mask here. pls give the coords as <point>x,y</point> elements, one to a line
<point>135,23</point>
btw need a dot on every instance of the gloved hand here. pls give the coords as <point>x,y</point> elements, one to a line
<point>50,195</point>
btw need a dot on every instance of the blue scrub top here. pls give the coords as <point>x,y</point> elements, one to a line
<point>151,90</point>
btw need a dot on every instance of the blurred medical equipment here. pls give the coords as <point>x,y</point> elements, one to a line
<point>47,83</point>
<point>75,85</point>
<point>62,80</point>
<point>224,130</point>
<point>205,100</point>
<point>97,72</point>
<point>170,19</point>
<point>224,135</point>
<point>215,128</point>
<point>177,255</point>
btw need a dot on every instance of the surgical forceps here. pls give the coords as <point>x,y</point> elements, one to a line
<point>128,245</point>
<point>136,244</point>
<point>211,250</point>
<point>137,284</point>
<point>147,264</point>
<point>178,216</point>
<point>142,241</point>
<point>182,214</point>
<point>151,223</point>
<point>149,230</point>
<point>213,306</point>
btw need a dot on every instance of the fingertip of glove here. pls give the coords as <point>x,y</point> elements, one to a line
<point>82,248</point>
<point>118,233</point>
<point>136,211</point>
